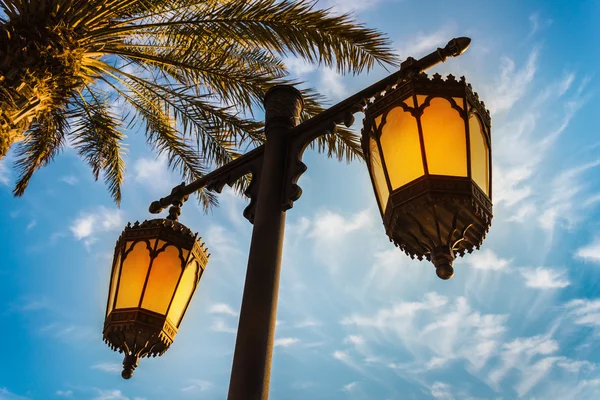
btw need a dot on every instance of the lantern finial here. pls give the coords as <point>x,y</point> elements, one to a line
<point>129,365</point>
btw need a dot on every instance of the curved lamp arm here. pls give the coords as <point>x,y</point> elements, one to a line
<point>302,135</point>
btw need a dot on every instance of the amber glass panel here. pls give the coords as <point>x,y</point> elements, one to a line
<point>133,276</point>
<point>184,293</point>
<point>421,99</point>
<point>113,282</point>
<point>459,102</point>
<point>378,173</point>
<point>401,148</point>
<point>164,274</point>
<point>479,155</point>
<point>445,139</point>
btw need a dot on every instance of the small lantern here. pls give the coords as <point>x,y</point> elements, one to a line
<point>156,269</point>
<point>427,144</point>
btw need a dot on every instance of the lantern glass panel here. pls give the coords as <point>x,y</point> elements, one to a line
<point>377,171</point>
<point>459,102</point>
<point>445,139</point>
<point>164,274</point>
<point>133,275</point>
<point>113,282</point>
<point>401,148</point>
<point>184,292</point>
<point>479,155</point>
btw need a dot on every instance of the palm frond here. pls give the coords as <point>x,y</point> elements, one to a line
<point>42,143</point>
<point>287,27</point>
<point>97,139</point>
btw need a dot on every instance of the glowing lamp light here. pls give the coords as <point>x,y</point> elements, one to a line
<point>427,144</point>
<point>156,269</point>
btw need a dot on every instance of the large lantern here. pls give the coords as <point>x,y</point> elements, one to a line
<point>156,269</point>
<point>428,147</point>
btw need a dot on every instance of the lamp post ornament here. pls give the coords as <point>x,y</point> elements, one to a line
<point>427,146</point>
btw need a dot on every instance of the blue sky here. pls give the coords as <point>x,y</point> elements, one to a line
<point>357,319</point>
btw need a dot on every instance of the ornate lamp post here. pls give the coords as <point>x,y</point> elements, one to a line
<point>427,147</point>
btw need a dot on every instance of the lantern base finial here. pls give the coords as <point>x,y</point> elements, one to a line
<point>442,258</point>
<point>129,364</point>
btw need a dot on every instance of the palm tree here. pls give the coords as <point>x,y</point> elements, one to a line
<point>189,72</point>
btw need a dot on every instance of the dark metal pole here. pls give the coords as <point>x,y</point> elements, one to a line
<point>250,375</point>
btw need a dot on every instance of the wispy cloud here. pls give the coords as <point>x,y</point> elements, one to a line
<point>101,220</point>
<point>112,368</point>
<point>5,394</point>
<point>423,43</point>
<point>112,395</point>
<point>331,85</point>
<point>544,278</point>
<point>222,308</point>
<point>198,385</point>
<point>519,353</point>
<point>286,342</point>
<point>586,312</point>
<point>70,180</point>
<point>64,393</point>
<point>4,174</point>
<point>350,387</point>
<point>590,252</point>
<point>298,66</point>
<point>153,173</point>
<point>220,325</point>
<point>487,260</point>
<point>441,391</point>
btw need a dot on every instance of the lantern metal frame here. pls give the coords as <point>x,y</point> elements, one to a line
<point>460,210</point>
<point>275,168</point>
<point>136,331</point>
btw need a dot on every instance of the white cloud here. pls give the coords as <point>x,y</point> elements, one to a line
<point>110,395</point>
<point>441,391</point>
<point>563,204</point>
<point>298,66</point>
<point>586,312</point>
<point>590,252</point>
<point>331,85</point>
<point>220,325</point>
<point>286,342</point>
<point>4,174</point>
<point>31,225</point>
<point>544,278</point>
<point>512,83</point>
<point>69,180</point>
<point>535,374</point>
<point>435,331</point>
<point>222,308</point>
<point>307,323</point>
<point>387,318</point>
<point>350,387</point>
<point>5,394</point>
<point>64,393</point>
<point>108,367</point>
<point>487,260</point>
<point>330,232</point>
<point>575,366</point>
<point>101,220</point>
<point>153,173</point>
<point>342,7</point>
<point>424,43</point>
<point>519,353</point>
<point>198,386</point>
<point>355,340</point>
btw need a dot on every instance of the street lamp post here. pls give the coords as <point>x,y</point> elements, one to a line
<point>427,147</point>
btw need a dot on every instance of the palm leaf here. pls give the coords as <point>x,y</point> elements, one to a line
<point>97,139</point>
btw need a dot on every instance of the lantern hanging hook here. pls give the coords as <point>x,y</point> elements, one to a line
<point>179,198</point>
